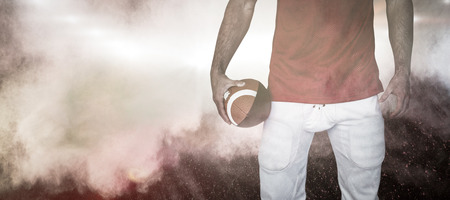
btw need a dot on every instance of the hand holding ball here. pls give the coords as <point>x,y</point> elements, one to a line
<point>248,105</point>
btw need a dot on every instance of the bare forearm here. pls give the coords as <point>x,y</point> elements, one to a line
<point>234,26</point>
<point>400,21</point>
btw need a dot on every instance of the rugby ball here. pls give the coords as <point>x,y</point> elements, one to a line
<point>248,105</point>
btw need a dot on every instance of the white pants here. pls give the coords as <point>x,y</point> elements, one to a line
<point>356,132</point>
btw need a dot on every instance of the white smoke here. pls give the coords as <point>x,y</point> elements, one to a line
<point>115,92</point>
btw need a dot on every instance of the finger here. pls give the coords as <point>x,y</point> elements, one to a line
<point>239,83</point>
<point>399,106</point>
<point>231,83</point>
<point>385,95</point>
<point>219,101</point>
<point>405,106</point>
<point>221,105</point>
<point>222,112</point>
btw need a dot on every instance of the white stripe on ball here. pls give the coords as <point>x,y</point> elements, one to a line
<point>236,96</point>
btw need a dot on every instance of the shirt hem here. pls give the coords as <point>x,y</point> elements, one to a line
<point>325,100</point>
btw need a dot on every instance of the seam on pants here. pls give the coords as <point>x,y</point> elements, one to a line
<point>299,129</point>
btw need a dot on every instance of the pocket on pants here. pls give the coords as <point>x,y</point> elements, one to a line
<point>275,152</point>
<point>367,145</point>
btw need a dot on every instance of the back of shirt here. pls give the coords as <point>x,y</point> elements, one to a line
<point>323,52</point>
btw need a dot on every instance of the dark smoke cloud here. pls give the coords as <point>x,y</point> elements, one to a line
<point>417,160</point>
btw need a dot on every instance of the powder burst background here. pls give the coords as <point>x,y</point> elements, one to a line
<point>111,100</point>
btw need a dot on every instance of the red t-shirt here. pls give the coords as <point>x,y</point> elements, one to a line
<point>323,52</point>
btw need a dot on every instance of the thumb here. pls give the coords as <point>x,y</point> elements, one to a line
<point>384,96</point>
<point>239,83</point>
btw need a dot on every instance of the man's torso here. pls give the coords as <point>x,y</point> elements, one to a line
<point>323,52</point>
